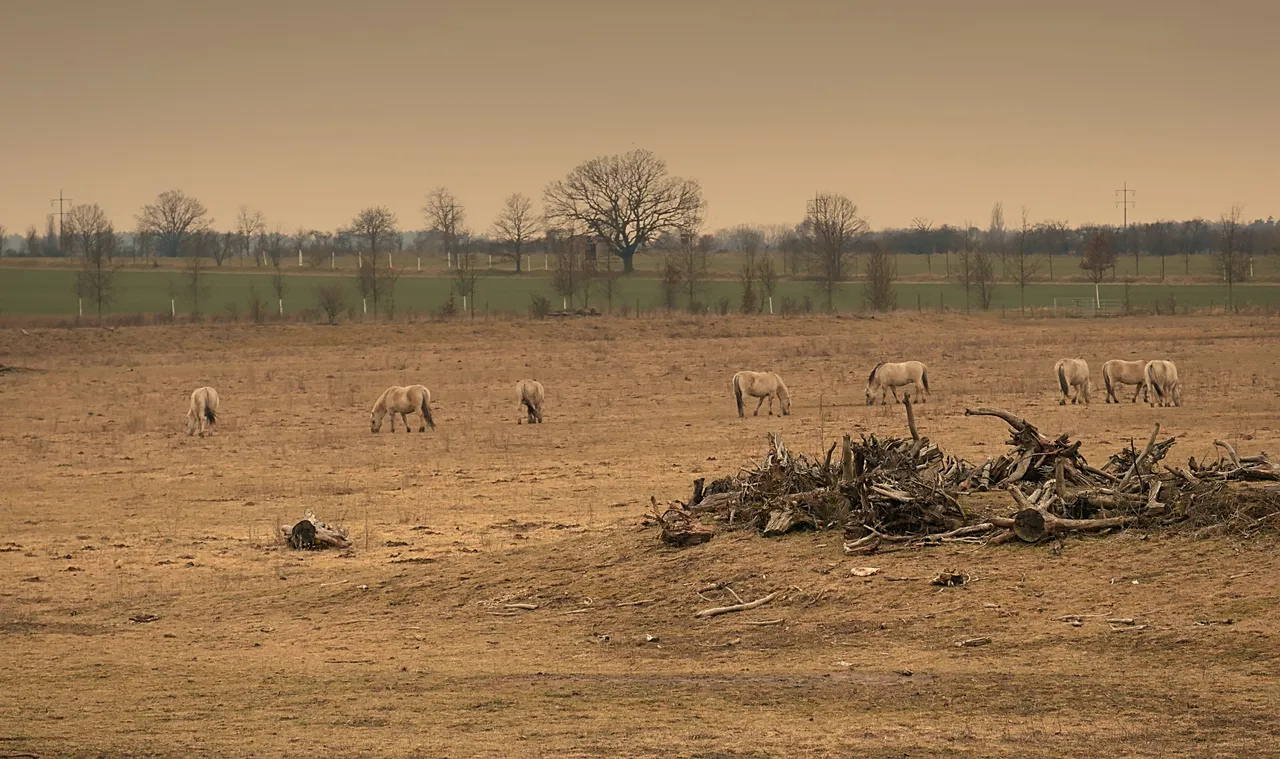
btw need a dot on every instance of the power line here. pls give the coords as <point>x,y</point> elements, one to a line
<point>60,201</point>
<point>1125,202</point>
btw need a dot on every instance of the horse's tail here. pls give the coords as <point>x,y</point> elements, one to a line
<point>426,412</point>
<point>1106,380</point>
<point>209,414</point>
<point>924,377</point>
<point>1149,375</point>
<point>737,393</point>
<point>1062,379</point>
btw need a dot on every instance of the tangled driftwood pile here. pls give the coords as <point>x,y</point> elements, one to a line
<point>903,491</point>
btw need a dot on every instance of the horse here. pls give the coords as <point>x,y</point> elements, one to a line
<point>1162,383</point>
<point>403,401</point>
<point>894,376</point>
<point>761,385</point>
<point>202,414</point>
<point>530,394</point>
<point>1118,372</point>
<point>1073,373</point>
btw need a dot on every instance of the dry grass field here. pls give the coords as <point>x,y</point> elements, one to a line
<point>403,646</point>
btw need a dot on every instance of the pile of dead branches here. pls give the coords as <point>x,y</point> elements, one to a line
<point>312,534</point>
<point>877,485</point>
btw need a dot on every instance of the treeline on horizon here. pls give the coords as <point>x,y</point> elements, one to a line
<point>608,209</point>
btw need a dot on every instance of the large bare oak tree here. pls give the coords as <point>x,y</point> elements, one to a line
<point>173,218</point>
<point>625,200</point>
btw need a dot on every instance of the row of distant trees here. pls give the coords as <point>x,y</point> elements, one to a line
<point>622,205</point>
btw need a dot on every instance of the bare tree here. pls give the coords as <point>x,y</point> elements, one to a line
<point>924,229</point>
<point>966,262</point>
<point>767,274</point>
<point>516,227</point>
<point>1025,265</point>
<point>672,277</point>
<point>3,233</point>
<point>882,271</point>
<point>626,200</point>
<point>377,226</point>
<point>331,298</point>
<point>984,277</point>
<point>1098,257</point>
<point>249,224</point>
<point>1194,234</point>
<point>467,272</point>
<point>1230,258</point>
<point>445,216</point>
<point>33,241</point>
<point>832,226</point>
<point>195,285</point>
<point>996,236</point>
<point>91,236</point>
<point>567,249</point>
<point>173,218</point>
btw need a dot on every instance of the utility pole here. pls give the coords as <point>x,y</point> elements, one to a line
<point>60,201</point>
<point>1124,202</point>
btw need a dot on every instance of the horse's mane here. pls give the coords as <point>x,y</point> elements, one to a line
<point>782,386</point>
<point>872,375</point>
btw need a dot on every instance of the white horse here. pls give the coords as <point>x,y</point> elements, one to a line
<point>1162,386</point>
<point>531,394</point>
<point>1073,373</point>
<point>886,376</point>
<point>1117,372</point>
<point>403,401</point>
<point>202,414</point>
<point>762,385</point>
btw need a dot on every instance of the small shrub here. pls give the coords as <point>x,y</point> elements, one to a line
<point>540,307</point>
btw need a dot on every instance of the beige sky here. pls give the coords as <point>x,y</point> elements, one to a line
<point>309,111</point>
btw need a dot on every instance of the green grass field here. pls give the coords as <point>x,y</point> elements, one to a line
<point>49,292</point>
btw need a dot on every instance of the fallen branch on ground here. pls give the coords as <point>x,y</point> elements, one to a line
<point>717,611</point>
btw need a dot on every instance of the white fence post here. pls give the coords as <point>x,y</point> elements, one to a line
<point>173,310</point>
<point>80,301</point>
<point>282,306</point>
<point>332,262</point>
<point>364,303</point>
<point>419,263</point>
<point>299,258</point>
<point>770,304</point>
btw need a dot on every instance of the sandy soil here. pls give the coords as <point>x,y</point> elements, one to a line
<point>404,646</point>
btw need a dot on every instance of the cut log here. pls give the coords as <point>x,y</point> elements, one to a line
<point>1030,525</point>
<point>782,521</point>
<point>697,491</point>
<point>324,535</point>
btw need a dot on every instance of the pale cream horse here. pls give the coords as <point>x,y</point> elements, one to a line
<point>886,376</point>
<point>403,401</point>
<point>1162,385</point>
<point>1117,372</point>
<point>531,394</point>
<point>1073,373</point>
<point>203,412</point>
<point>762,385</point>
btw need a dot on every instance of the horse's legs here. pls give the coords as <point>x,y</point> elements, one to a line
<point>770,405</point>
<point>894,390</point>
<point>758,405</point>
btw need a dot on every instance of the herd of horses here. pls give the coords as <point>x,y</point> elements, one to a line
<point>1156,381</point>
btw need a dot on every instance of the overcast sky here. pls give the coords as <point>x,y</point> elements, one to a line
<point>309,111</point>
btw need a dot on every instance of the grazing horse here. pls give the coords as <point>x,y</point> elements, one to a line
<point>531,395</point>
<point>1162,385</point>
<point>403,401</point>
<point>1073,373</point>
<point>886,376</point>
<point>203,412</point>
<point>1117,372</point>
<point>761,385</point>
